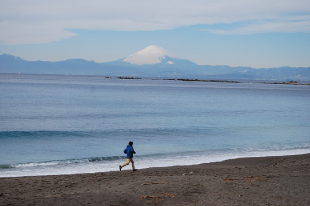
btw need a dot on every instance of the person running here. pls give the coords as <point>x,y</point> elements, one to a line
<point>129,151</point>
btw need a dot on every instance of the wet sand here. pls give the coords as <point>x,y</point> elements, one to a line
<point>249,181</point>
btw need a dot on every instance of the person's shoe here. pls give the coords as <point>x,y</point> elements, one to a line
<point>134,170</point>
<point>120,168</point>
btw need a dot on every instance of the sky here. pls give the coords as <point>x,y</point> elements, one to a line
<point>255,33</point>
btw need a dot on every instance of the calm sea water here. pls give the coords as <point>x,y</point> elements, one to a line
<point>81,124</point>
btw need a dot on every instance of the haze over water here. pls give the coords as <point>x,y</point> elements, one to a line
<point>79,124</point>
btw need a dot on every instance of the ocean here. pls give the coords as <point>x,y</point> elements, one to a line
<point>65,124</point>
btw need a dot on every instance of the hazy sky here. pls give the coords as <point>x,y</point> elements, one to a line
<point>256,33</point>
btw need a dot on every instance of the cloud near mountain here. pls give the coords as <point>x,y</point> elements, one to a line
<point>35,22</point>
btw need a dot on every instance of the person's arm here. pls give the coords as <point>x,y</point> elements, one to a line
<point>133,151</point>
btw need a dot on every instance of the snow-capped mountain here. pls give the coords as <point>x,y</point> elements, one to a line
<point>150,55</point>
<point>154,55</point>
<point>152,61</point>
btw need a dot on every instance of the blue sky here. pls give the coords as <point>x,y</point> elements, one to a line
<point>255,33</point>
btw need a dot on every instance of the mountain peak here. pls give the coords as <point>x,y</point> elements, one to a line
<point>150,55</point>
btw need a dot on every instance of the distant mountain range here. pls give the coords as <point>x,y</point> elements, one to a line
<point>152,61</point>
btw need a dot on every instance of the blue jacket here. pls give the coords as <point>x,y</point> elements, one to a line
<point>129,151</point>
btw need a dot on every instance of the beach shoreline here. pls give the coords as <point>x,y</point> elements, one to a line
<point>280,180</point>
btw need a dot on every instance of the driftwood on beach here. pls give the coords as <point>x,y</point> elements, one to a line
<point>152,183</point>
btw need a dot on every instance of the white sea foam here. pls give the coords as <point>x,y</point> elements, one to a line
<point>42,169</point>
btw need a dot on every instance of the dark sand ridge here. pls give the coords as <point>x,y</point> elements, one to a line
<point>248,181</point>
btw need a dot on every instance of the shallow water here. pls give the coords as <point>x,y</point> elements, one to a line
<point>77,124</point>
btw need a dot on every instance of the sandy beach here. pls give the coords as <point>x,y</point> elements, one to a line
<point>249,181</point>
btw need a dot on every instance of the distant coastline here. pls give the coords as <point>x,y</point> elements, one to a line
<point>181,69</point>
<point>202,80</point>
<point>177,79</point>
<point>218,80</point>
<point>290,83</point>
